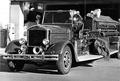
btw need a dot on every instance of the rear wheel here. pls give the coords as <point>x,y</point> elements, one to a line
<point>65,61</point>
<point>15,65</point>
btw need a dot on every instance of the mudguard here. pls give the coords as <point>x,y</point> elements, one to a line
<point>57,48</point>
<point>13,46</point>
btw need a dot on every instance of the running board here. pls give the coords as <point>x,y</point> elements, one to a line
<point>113,52</point>
<point>89,57</point>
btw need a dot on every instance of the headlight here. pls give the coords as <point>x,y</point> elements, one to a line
<point>45,41</point>
<point>23,48</point>
<point>22,41</point>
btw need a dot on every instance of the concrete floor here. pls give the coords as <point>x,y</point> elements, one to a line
<point>99,70</point>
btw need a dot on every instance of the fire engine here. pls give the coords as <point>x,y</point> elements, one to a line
<point>65,38</point>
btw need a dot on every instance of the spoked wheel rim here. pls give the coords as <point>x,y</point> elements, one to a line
<point>67,59</point>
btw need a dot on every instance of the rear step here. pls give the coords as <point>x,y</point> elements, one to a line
<point>113,51</point>
<point>89,57</point>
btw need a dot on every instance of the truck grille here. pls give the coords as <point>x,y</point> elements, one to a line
<point>35,37</point>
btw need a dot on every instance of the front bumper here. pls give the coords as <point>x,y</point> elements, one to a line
<point>30,57</point>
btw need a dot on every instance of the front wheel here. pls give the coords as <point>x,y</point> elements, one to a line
<point>65,61</point>
<point>15,65</point>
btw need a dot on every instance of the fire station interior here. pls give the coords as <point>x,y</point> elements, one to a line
<point>107,9</point>
<point>38,8</point>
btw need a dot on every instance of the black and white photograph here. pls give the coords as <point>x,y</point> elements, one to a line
<point>60,40</point>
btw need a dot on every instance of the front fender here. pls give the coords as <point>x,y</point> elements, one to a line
<point>57,48</point>
<point>12,46</point>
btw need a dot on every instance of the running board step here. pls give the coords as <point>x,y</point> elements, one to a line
<point>89,57</point>
<point>113,52</point>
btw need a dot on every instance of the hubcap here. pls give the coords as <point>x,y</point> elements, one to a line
<point>67,60</point>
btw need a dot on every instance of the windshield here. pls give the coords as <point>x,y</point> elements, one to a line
<point>56,17</point>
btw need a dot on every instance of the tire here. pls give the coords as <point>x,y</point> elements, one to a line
<point>65,61</point>
<point>15,65</point>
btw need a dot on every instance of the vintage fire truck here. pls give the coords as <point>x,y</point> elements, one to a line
<point>64,38</point>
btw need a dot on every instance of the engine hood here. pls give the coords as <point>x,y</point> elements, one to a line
<point>52,28</point>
